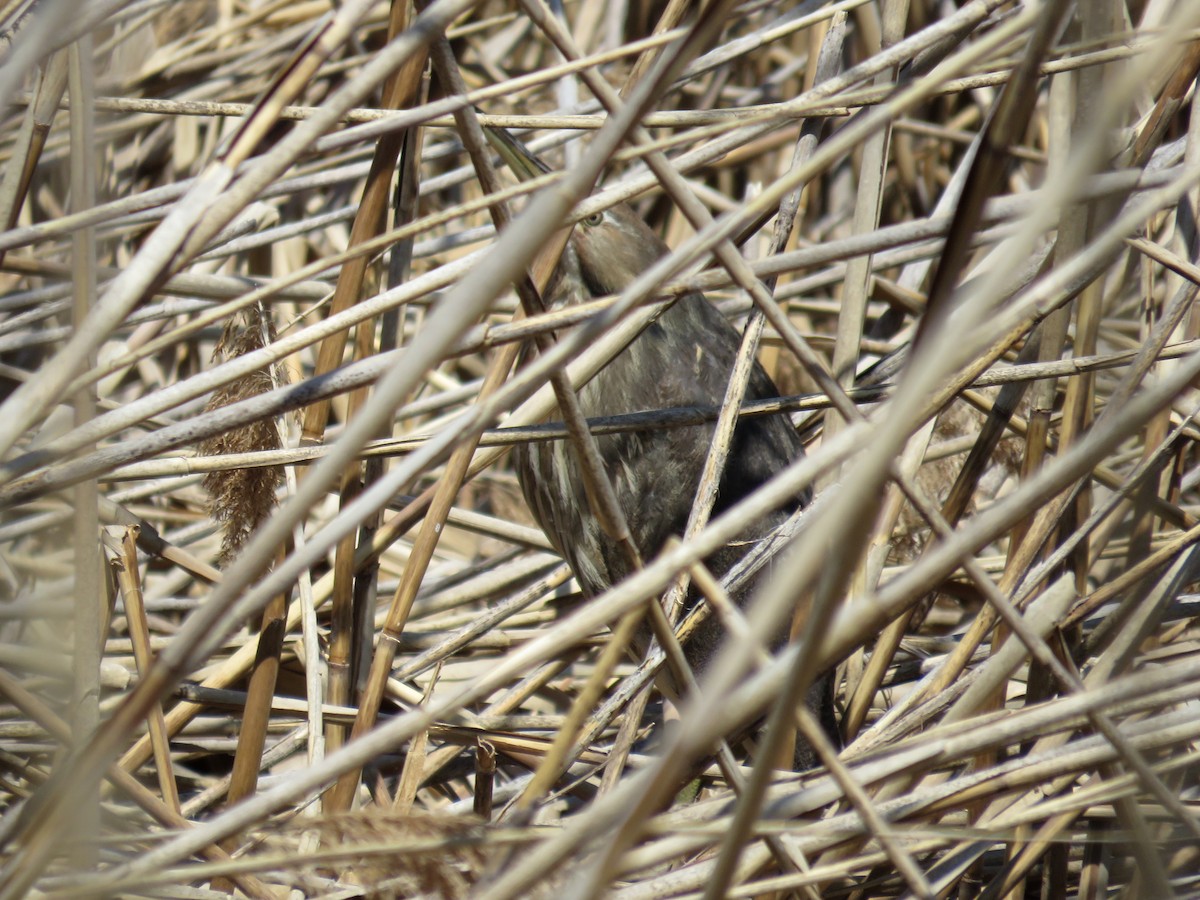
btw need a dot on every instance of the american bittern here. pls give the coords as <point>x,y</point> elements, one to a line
<point>683,359</point>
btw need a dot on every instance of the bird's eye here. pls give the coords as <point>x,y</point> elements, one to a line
<point>594,219</point>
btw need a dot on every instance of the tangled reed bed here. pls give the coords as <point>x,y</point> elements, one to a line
<point>273,613</point>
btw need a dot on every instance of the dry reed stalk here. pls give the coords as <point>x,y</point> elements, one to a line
<point>1016,184</point>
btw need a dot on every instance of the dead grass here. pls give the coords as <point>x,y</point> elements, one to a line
<point>999,560</point>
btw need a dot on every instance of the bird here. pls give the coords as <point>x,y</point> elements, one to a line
<point>683,358</point>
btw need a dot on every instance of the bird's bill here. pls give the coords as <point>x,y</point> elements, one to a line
<point>516,155</point>
<point>526,166</point>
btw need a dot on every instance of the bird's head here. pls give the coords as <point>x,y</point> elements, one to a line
<point>612,247</point>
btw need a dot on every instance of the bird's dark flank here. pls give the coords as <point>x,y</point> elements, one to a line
<point>682,359</point>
